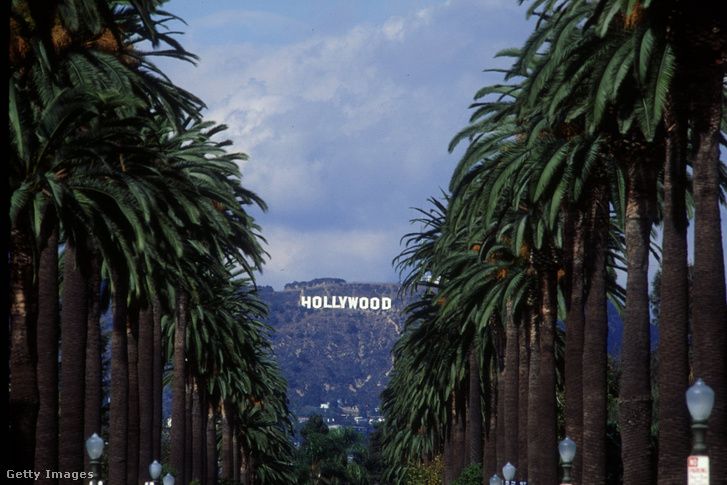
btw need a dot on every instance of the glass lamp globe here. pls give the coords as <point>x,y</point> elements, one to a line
<point>508,471</point>
<point>94,446</point>
<point>495,480</point>
<point>168,479</point>
<point>700,399</point>
<point>567,450</point>
<point>155,469</point>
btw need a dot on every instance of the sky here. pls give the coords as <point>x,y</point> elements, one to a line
<point>346,109</point>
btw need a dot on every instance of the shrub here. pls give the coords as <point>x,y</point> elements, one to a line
<point>425,474</point>
<point>471,475</point>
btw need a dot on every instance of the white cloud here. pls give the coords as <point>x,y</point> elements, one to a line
<point>346,129</point>
<point>356,256</point>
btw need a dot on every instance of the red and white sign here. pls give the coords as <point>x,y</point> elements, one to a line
<point>698,470</point>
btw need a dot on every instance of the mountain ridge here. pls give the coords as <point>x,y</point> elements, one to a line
<point>332,353</point>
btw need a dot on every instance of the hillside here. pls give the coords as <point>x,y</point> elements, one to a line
<point>333,340</point>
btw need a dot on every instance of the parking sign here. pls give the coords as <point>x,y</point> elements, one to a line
<point>698,470</point>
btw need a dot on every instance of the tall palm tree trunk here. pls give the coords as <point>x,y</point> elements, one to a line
<point>459,434</point>
<point>635,393</point>
<point>179,420</point>
<point>547,415</point>
<point>158,387</point>
<point>227,441</point>
<point>74,320</point>
<point>500,425</point>
<point>489,452</point>
<point>474,410</point>
<point>499,344</point>
<point>199,428</point>
<point>511,387</point>
<point>189,427</point>
<point>574,257</point>
<point>709,308</point>
<point>533,475</point>
<point>449,438</point>
<point>236,453</point>
<point>46,436</point>
<point>523,388</point>
<point>146,389</point>
<point>134,431</point>
<point>673,367</point>
<point>595,343</point>
<point>23,396</point>
<point>211,443</point>
<point>94,348</point>
<point>119,405</point>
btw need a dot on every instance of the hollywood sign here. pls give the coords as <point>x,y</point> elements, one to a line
<point>350,302</point>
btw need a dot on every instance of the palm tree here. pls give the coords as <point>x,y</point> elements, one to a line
<point>41,83</point>
<point>94,345</point>
<point>74,318</point>
<point>640,174</point>
<point>68,133</point>
<point>179,408</point>
<point>146,387</point>
<point>673,370</point>
<point>46,455</point>
<point>701,51</point>
<point>673,52</point>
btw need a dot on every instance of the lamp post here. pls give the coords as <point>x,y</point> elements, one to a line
<point>567,450</point>
<point>155,470</point>
<point>700,400</point>
<point>508,472</point>
<point>495,480</point>
<point>168,479</point>
<point>94,448</point>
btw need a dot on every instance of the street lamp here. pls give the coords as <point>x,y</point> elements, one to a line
<point>567,450</point>
<point>155,470</point>
<point>495,480</point>
<point>168,479</point>
<point>94,447</point>
<point>508,471</point>
<point>700,400</point>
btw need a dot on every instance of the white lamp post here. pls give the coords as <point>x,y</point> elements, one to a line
<point>567,450</point>
<point>94,448</point>
<point>155,470</point>
<point>508,471</point>
<point>168,479</point>
<point>700,400</point>
<point>495,480</point>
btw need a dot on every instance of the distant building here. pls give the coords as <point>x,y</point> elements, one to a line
<point>352,410</point>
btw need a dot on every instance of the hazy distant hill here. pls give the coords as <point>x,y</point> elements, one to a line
<point>331,352</point>
<point>333,340</point>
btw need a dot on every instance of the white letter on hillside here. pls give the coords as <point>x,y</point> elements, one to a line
<point>375,303</point>
<point>305,301</point>
<point>385,303</point>
<point>317,302</point>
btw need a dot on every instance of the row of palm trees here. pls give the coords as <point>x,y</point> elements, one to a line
<point>607,126</point>
<point>121,196</point>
